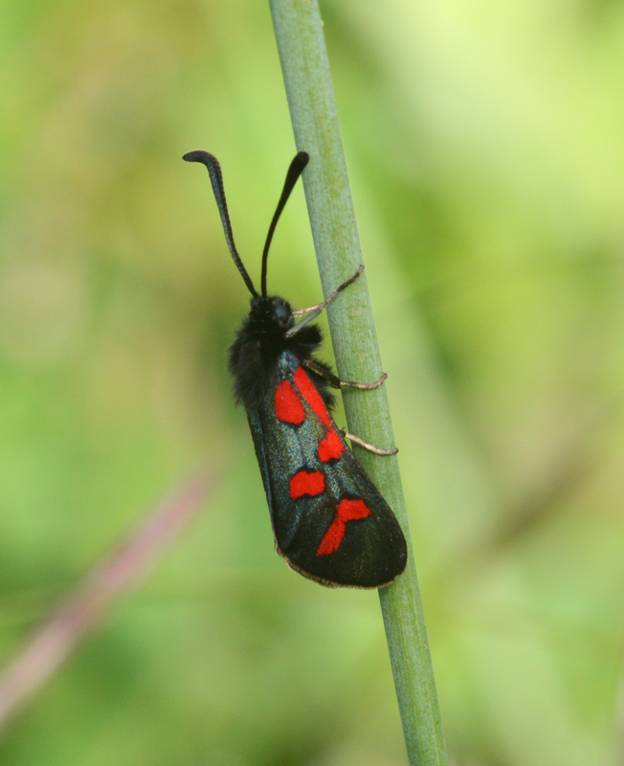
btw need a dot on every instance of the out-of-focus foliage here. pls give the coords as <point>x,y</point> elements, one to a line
<point>485,144</point>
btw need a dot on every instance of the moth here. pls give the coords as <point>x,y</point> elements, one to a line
<point>330,522</point>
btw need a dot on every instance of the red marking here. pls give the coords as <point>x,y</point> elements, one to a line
<point>312,396</point>
<point>288,407</point>
<point>330,447</point>
<point>347,510</point>
<point>307,483</point>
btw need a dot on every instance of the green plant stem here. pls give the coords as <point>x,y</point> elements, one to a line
<point>303,55</point>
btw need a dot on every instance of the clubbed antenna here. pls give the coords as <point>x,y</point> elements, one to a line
<point>294,171</point>
<point>216,179</point>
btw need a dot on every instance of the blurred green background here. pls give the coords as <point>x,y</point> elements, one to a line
<point>485,146</point>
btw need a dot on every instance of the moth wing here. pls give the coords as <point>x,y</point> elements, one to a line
<point>330,521</point>
<point>367,550</point>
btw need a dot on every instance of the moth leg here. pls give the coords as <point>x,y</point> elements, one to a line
<point>336,382</point>
<point>370,447</point>
<point>302,312</point>
<point>311,312</point>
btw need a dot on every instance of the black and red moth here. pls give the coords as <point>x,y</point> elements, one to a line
<point>330,522</point>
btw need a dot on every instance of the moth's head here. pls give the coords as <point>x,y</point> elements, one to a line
<point>270,312</point>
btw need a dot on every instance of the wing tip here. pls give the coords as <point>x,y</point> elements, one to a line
<point>328,583</point>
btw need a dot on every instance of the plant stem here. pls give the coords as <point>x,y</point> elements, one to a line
<point>303,55</point>
<point>84,608</point>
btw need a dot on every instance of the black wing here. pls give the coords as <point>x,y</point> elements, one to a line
<point>329,520</point>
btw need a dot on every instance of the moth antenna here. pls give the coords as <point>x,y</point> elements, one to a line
<point>294,171</point>
<point>216,180</point>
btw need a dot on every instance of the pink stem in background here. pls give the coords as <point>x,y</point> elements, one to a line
<point>41,655</point>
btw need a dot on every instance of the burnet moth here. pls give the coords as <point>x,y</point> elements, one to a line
<point>329,520</point>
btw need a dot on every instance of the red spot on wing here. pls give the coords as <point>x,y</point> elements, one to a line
<point>304,483</point>
<point>347,510</point>
<point>330,447</point>
<point>288,406</point>
<point>313,398</point>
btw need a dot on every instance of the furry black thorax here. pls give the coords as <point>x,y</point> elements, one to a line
<point>262,337</point>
